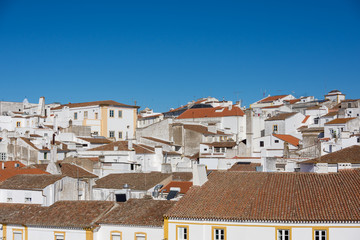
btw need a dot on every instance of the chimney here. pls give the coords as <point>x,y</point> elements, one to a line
<point>2,165</point>
<point>199,174</point>
<point>130,144</point>
<point>41,106</point>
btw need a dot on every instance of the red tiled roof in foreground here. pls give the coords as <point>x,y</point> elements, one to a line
<point>184,186</point>
<point>288,138</point>
<point>8,173</point>
<point>244,166</point>
<point>280,197</point>
<point>212,112</point>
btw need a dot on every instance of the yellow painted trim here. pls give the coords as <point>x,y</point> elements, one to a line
<point>244,225</point>
<point>320,229</point>
<point>166,228</point>
<point>26,233</point>
<point>89,234</point>
<point>182,226</point>
<point>58,232</point>
<point>111,233</point>
<point>18,123</point>
<point>18,230</point>
<point>213,231</point>
<point>140,233</point>
<point>103,122</point>
<point>283,228</point>
<point>4,231</point>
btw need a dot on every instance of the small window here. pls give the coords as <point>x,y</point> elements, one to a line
<point>111,113</point>
<point>283,234</point>
<point>59,236</point>
<point>111,134</point>
<point>115,236</point>
<point>275,128</point>
<point>9,199</point>
<point>45,155</point>
<point>28,200</point>
<point>3,156</point>
<point>320,234</point>
<point>358,140</point>
<point>316,120</point>
<point>276,141</point>
<point>120,113</point>
<point>17,235</point>
<point>182,233</point>
<point>120,135</point>
<point>75,115</point>
<point>261,143</point>
<point>96,115</point>
<point>95,133</point>
<point>18,124</point>
<point>132,167</point>
<point>85,114</point>
<point>140,236</point>
<point>218,234</point>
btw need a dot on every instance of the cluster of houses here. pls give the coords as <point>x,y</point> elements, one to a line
<point>283,168</point>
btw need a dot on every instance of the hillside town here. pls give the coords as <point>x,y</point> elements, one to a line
<point>282,168</point>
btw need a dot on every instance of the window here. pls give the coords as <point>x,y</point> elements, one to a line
<point>3,156</point>
<point>120,135</point>
<point>85,114</point>
<point>274,128</point>
<point>17,234</point>
<point>9,199</point>
<point>59,235</point>
<point>96,133</point>
<point>45,155</point>
<point>96,115</point>
<point>140,236</point>
<point>276,141</point>
<point>111,134</point>
<point>218,233</point>
<point>261,143</point>
<point>111,113</point>
<point>182,232</point>
<point>28,199</point>
<point>132,167</point>
<point>18,124</point>
<point>120,113</point>
<point>320,234</point>
<point>75,116</point>
<point>115,235</point>
<point>283,234</point>
<point>316,120</point>
<point>358,140</point>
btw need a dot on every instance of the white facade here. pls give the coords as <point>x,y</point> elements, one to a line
<point>129,232</point>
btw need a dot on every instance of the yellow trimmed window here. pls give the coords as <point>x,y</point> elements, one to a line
<point>111,113</point>
<point>59,235</point>
<point>218,233</point>
<point>140,236</point>
<point>18,124</point>
<point>182,232</point>
<point>283,234</point>
<point>275,128</point>
<point>320,234</point>
<point>115,235</point>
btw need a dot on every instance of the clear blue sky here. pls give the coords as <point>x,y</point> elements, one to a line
<point>165,53</point>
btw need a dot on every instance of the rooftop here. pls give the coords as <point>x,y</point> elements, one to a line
<point>345,155</point>
<point>212,112</point>
<point>30,181</point>
<point>281,116</point>
<point>95,103</point>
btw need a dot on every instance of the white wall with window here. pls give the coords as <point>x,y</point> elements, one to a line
<point>129,232</point>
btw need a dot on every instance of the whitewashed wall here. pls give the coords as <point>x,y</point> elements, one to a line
<point>128,232</point>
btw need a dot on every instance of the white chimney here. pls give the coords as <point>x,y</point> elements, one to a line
<point>199,174</point>
<point>41,106</point>
<point>130,144</point>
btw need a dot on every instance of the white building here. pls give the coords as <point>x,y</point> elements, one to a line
<point>284,123</point>
<point>109,119</point>
<point>272,101</point>
<point>335,96</point>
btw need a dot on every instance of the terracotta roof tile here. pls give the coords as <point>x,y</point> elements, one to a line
<point>345,155</point>
<point>95,103</point>
<point>280,197</point>
<point>244,166</point>
<point>288,138</point>
<point>30,181</point>
<point>8,173</point>
<point>228,144</point>
<point>183,185</point>
<point>121,145</point>
<point>96,140</point>
<point>138,212</point>
<point>339,121</point>
<point>159,140</point>
<point>272,98</point>
<point>305,119</point>
<point>281,116</point>
<point>211,112</point>
<point>202,129</point>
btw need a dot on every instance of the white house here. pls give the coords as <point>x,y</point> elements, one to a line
<point>341,126</point>
<point>272,101</point>
<point>284,123</point>
<point>335,96</point>
<point>268,206</point>
<point>106,118</point>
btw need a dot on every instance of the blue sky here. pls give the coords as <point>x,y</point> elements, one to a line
<point>165,53</point>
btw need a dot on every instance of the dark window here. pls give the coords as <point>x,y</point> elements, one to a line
<point>261,143</point>
<point>120,197</point>
<point>276,141</point>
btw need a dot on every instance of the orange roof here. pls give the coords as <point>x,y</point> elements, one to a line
<point>272,98</point>
<point>184,186</point>
<point>288,138</point>
<point>305,119</point>
<point>212,112</point>
<point>339,121</point>
<point>292,101</point>
<point>8,173</point>
<point>12,164</point>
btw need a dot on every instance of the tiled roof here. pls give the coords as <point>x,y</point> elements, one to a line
<point>221,144</point>
<point>345,155</point>
<point>35,135</point>
<point>339,121</point>
<point>95,103</point>
<point>281,116</point>
<point>183,185</point>
<point>275,197</point>
<point>71,214</point>
<point>305,119</point>
<point>143,149</point>
<point>138,212</point>
<point>13,213</point>
<point>12,164</point>
<point>246,166</point>
<point>96,140</point>
<point>158,140</point>
<point>330,114</point>
<point>30,181</point>
<point>136,181</point>
<point>202,129</point>
<point>8,173</point>
<point>211,112</point>
<point>288,138</point>
<point>292,101</point>
<point>122,146</point>
<point>74,171</point>
<point>26,140</point>
<point>272,98</point>
<point>315,107</point>
<point>182,176</point>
